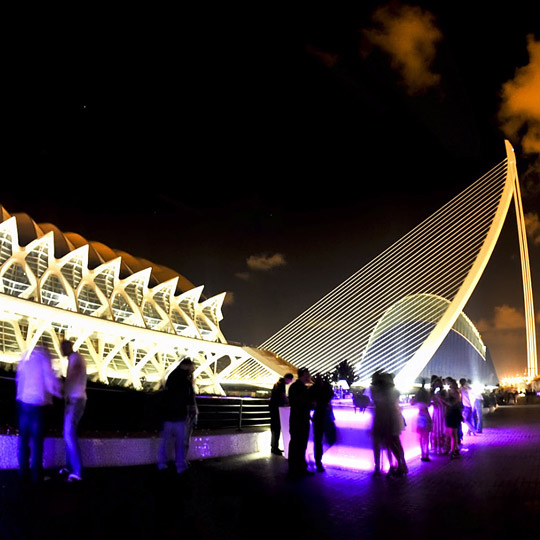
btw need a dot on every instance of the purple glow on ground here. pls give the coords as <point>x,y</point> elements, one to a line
<point>354,449</point>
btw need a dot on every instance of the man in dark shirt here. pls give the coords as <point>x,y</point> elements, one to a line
<point>299,424</point>
<point>278,399</point>
<point>179,414</point>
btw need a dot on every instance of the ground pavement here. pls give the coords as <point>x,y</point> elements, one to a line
<point>492,491</point>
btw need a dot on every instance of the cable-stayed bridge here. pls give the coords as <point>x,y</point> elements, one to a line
<point>443,257</point>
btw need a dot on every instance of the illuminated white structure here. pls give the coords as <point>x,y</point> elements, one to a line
<point>132,320</point>
<point>443,257</point>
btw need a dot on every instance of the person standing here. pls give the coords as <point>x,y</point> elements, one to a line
<point>323,418</point>
<point>440,440</point>
<point>278,399</point>
<point>299,424</point>
<point>179,415</point>
<point>75,404</point>
<point>454,415</point>
<point>467,405</point>
<point>477,399</point>
<point>388,423</point>
<point>36,383</point>
<point>424,423</point>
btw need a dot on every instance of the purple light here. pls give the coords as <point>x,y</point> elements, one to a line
<point>354,448</point>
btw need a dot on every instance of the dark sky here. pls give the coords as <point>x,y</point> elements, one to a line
<point>199,139</point>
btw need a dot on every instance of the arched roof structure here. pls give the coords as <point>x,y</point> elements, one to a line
<point>133,320</point>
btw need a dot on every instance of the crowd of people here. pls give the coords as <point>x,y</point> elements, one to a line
<point>310,401</point>
<point>37,384</point>
<point>447,412</point>
<point>456,411</point>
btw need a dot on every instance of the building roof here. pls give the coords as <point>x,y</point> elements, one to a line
<point>98,253</point>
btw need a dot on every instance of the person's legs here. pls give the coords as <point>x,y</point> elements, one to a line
<point>318,433</point>
<point>297,449</point>
<point>23,448</point>
<point>455,442</point>
<point>180,445</point>
<point>275,429</point>
<point>467,419</point>
<point>187,437</point>
<point>74,410</point>
<point>397,449</point>
<point>424,445</point>
<point>36,437</point>
<point>166,435</point>
<point>478,415</point>
<point>377,454</point>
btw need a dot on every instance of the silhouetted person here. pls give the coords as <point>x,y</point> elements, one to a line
<point>179,415</point>
<point>360,400</point>
<point>299,424</point>
<point>321,394</point>
<point>467,405</point>
<point>387,422</point>
<point>37,383</point>
<point>75,403</point>
<point>440,439</point>
<point>454,415</point>
<point>278,399</point>
<point>424,424</point>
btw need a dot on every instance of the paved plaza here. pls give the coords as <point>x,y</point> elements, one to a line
<point>492,491</point>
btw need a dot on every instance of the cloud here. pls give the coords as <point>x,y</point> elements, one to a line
<point>530,180</point>
<point>328,59</point>
<point>229,299</point>
<point>504,318</point>
<point>532,223</point>
<point>244,276</point>
<point>410,36</point>
<point>505,335</point>
<point>264,263</point>
<point>520,105</point>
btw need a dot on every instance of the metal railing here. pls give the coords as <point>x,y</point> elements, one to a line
<point>232,413</point>
<point>120,410</point>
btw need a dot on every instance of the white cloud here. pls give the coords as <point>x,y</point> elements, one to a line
<point>520,107</point>
<point>409,36</point>
<point>532,223</point>
<point>264,263</point>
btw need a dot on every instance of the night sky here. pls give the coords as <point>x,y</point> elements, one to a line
<point>272,154</point>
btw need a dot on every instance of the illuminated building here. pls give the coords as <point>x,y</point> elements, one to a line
<point>462,353</point>
<point>131,319</point>
<point>444,258</point>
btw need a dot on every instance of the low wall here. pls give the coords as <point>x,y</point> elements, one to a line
<point>110,452</point>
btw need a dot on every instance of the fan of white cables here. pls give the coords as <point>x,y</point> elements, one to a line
<point>432,259</point>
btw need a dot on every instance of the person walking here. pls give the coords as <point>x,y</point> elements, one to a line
<point>37,383</point>
<point>299,424</point>
<point>278,398</point>
<point>74,406</point>
<point>179,415</point>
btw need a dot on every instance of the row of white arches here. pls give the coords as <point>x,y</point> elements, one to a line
<point>32,272</point>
